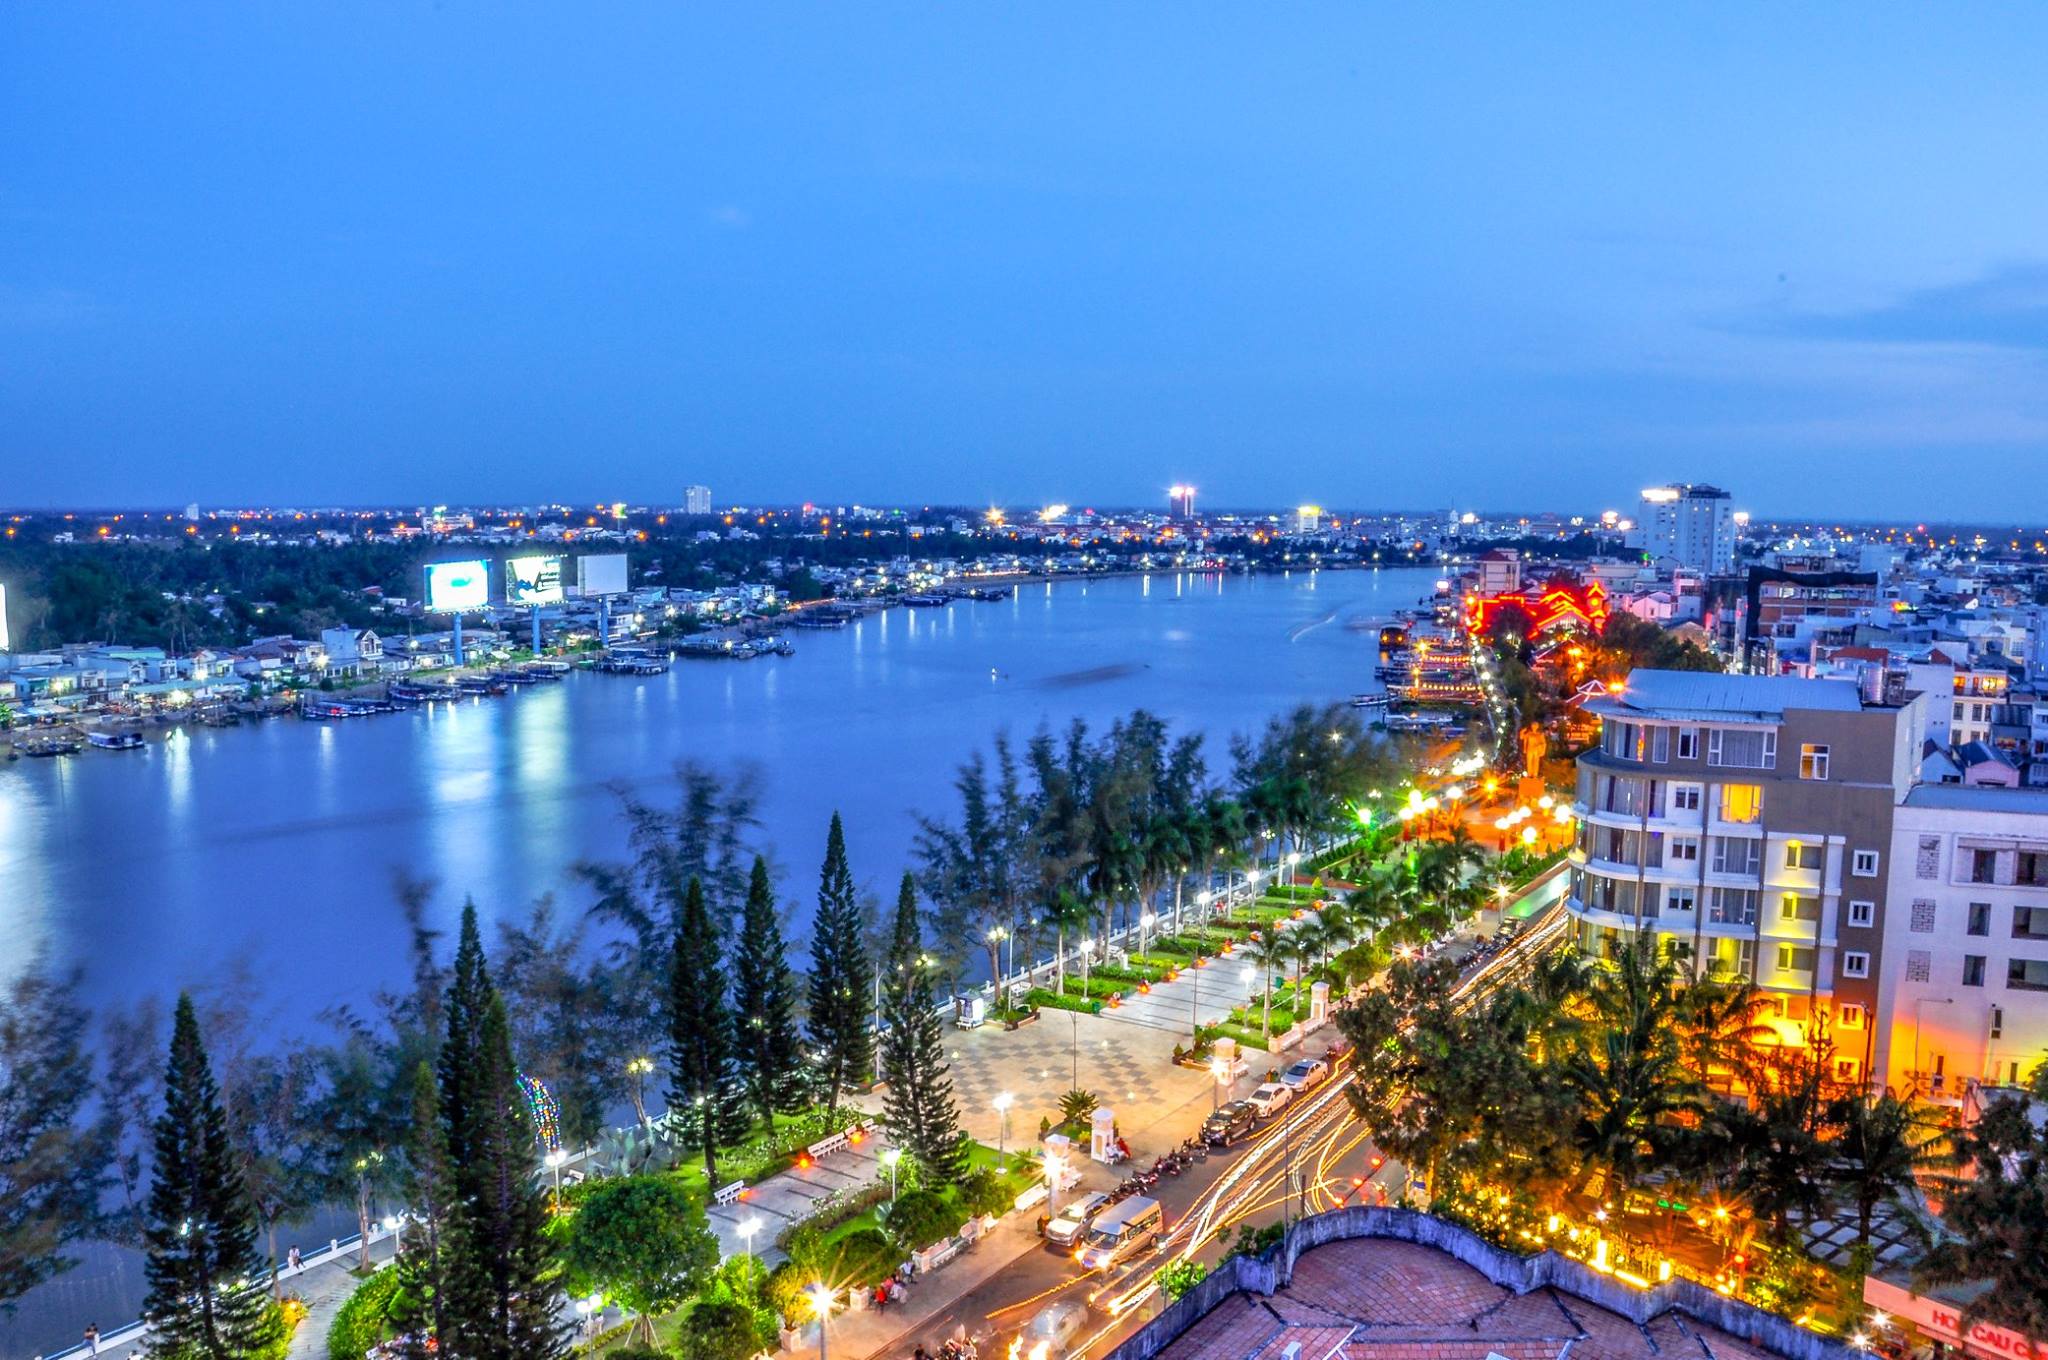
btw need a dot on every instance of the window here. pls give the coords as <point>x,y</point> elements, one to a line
<point>1742,748</point>
<point>1794,958</point>
<point>1851,1017</point>
<point>1862,913</point>
<point>1623,740</point>
<point>1799,855</point>
<point>1961,709</point>
<point>1813,761</point>
<point>1845,1069</point>
<point>1688,743</point>
<point>1735,855</point>
<point>1680,899</point>
<point>2027,975</point>
<point>2030,923</point>
<point>1998,1022</point>
<point>1973,970</point>
<point>1660,745</point>
<point>1983,866</point>
<point>1793,907</point>
<point>1685,850</point>
<point>1742,803</point>
<point>2032,869</point>
<point>1685,797</point>
<point>1980,919</point>
<point>1863,864</point>
<point>1731,906</point>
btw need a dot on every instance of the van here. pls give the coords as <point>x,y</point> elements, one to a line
<point>1120,1233</point>
<point>1069,1223</point>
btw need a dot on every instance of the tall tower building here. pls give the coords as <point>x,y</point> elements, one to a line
<point>1692,525</point>
<point>696,500</point>
<point>1180,502</point>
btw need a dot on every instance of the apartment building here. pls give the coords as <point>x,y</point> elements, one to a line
<point>1965,985</point>
<point>1745,820</point>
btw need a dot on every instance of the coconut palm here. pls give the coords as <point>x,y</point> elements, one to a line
<point>1269,952</point>
<point>1066,912</point>
<point>1884,1141</point>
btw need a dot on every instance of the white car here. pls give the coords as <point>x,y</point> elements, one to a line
<point>1270,1099</point>
<point>1306,1075</point>
<point>1071,1221</point>
<point>1056,1327</point>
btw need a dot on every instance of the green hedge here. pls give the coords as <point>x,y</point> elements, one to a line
<point>1095,985</point>
<point>1046,998</point>
<point>363,1319</point>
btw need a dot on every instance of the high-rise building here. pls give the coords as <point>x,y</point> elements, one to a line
<point>1308,519</point>
<point>1180,502</point>
<point>696,500</point>
<point>1693,526</point>
<point>1743,821</point>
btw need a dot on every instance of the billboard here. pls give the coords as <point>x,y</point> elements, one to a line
<point>533,580</point>
<point>457,587</point>
<point>604,574</point>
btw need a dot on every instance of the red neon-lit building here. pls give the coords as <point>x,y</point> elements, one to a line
<point>1550,607</point>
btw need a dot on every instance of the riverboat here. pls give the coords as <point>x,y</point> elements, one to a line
<point>1373,700</point>
<point>928,600</point>
<point>482,685</point>
<point>623,662</point>
<point>42,748</point>
<point>114,741</point>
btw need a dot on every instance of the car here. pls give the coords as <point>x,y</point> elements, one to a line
<point>1269,1099</point>
<point>1055,1327</point>
<point>1229,1123</point>
<point>1065,1227</point>
<point>1306,1075</point>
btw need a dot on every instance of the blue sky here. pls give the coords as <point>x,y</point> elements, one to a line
<point>1363,254</point>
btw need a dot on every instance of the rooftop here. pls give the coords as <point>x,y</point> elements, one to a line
<point>1375,1299</point>
<point>1979,798</point>
<point>1708,695</point>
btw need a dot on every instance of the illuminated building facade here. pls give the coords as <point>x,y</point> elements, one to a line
<point>1688,525</point>
<point>1180,502</point>
<point>1548,608</point>
<point>696,500</point>
<point>1744,821</point>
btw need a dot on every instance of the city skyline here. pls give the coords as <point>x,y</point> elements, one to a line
<point>1367,259</point>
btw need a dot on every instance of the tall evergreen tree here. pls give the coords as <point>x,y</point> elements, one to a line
<point>839,976</point>
<point>918,1108</point>
<point>700,1083</point>
<point>206,1295</point>
<point>767,1049</point>
<point>502,1295</point>
<point>469,994</point>
<point>418,1311</point>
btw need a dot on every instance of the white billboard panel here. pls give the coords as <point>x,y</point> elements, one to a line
<point>603,574</point>
<point>458,587</point>
<point>3,620</point>
<point>533,580</point>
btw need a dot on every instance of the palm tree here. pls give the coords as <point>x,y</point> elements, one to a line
<point>1267,953</point>
<point>1065,912</point>
<point>1884,1141</point>
<point>1629,1077</point>
<point>1721,1026</point>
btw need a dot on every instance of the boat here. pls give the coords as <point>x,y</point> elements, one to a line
<point>514,676</point>
<point>621,661</point>
<point>1393,636</point>
<point>546,670</point>
<point>990,593</point>
<point>481,685</point>
<point>114,741</point>
<point>1373,700</point>
<point>403,692</point>
<point>927,600</point>
<point>42,748</point>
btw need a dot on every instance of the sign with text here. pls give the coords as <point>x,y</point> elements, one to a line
<point>458,587</point>
<point>533,580</point>
<point>1943,1321</point>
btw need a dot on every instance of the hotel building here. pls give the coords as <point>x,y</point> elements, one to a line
<point>1745,821</point>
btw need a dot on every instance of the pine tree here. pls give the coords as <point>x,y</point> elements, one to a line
<point>701,1085</point>
<point>767,1049</point>
<point>918,1108</point>
<point>839,976</point>
<point>501,1290</point>
<point>420,1266</point>
<point>206,1282</point>
<point>469,993</point>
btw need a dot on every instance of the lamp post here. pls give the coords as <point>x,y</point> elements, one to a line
<point>1145,922</point>
<point>554,1161</point>
<point>395,1225</point>
<point>821,1304</point>
<point>890,1159</point>
<point>1053,1167</point>
<point>748,1227</point>
<point>638,1068</point>
<point>1293,858</point>
<point>1216,1073</point>
<point>1003,1103</point>
<point>996,936</point>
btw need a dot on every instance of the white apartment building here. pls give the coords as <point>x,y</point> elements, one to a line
<point>696,500</point>
<point>1964,991</point>
<point>1689,525</point>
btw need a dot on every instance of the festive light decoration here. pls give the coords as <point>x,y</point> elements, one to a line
<point>1556,606</point>
<point>546,1112</point>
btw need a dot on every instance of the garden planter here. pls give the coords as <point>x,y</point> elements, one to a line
<point>1019,1021</point>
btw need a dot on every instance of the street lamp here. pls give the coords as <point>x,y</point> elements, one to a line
<point>638,1068</point>
<point>554,1161</point>
<point>394,1224</point>
<point>1003,1103</point>
<point>821,1304</point>
<point>996,936</point>
<point>748,1227</point>
<point>1053,1167</point>
<point>1145,922</point>
<point>1216,1072</point>
<point>889,1159</point>
<point>1293,858</point>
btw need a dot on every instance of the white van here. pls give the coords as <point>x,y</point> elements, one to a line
<point>1119,1233</point>
<point>1069,1223</point>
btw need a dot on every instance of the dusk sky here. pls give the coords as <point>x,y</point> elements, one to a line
<point>1364,254</point>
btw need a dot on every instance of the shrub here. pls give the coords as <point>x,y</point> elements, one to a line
<point>1178,1278</point>
<point>637,1351</point>
<point>1077,1105</point>
<point>919,1218</point>
<point>1047,998</point>
<point>719,1329</point>
<point>983,1192</point>
<point>364,1318</point>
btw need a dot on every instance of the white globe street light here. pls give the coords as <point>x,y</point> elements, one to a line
<point>1003,1102</point>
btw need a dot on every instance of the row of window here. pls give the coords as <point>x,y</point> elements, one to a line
<point>1727,854</point>
<point>2026,868</point>
<point>1734,748</point>
<point>2028,923</point>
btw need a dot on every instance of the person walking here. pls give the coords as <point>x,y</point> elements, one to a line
<point>92,1338</point>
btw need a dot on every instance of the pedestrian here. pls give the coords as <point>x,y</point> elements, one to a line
<point>92,1338</point>
<point>292,1259</point>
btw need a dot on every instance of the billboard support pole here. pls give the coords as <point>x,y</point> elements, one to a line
<point>536,630</point>
<point>458,639</point>
<point>604,622</point>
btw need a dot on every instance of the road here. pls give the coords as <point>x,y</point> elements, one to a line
<point>1316,1137</point>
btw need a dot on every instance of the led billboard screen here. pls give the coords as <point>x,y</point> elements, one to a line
<point>604,574</point>
<point>458,587</point>
<point>533,580</point>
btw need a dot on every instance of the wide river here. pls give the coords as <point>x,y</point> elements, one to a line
<point>271,849</point>
<point>275,845</point>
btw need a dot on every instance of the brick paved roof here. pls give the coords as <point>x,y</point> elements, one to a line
<point>1373,1299</point>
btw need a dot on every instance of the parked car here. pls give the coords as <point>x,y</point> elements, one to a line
<point>1306,1075</point>
<point>1230,1123</point>
<point>1071,1221</point>
<point>1269,1099</point>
